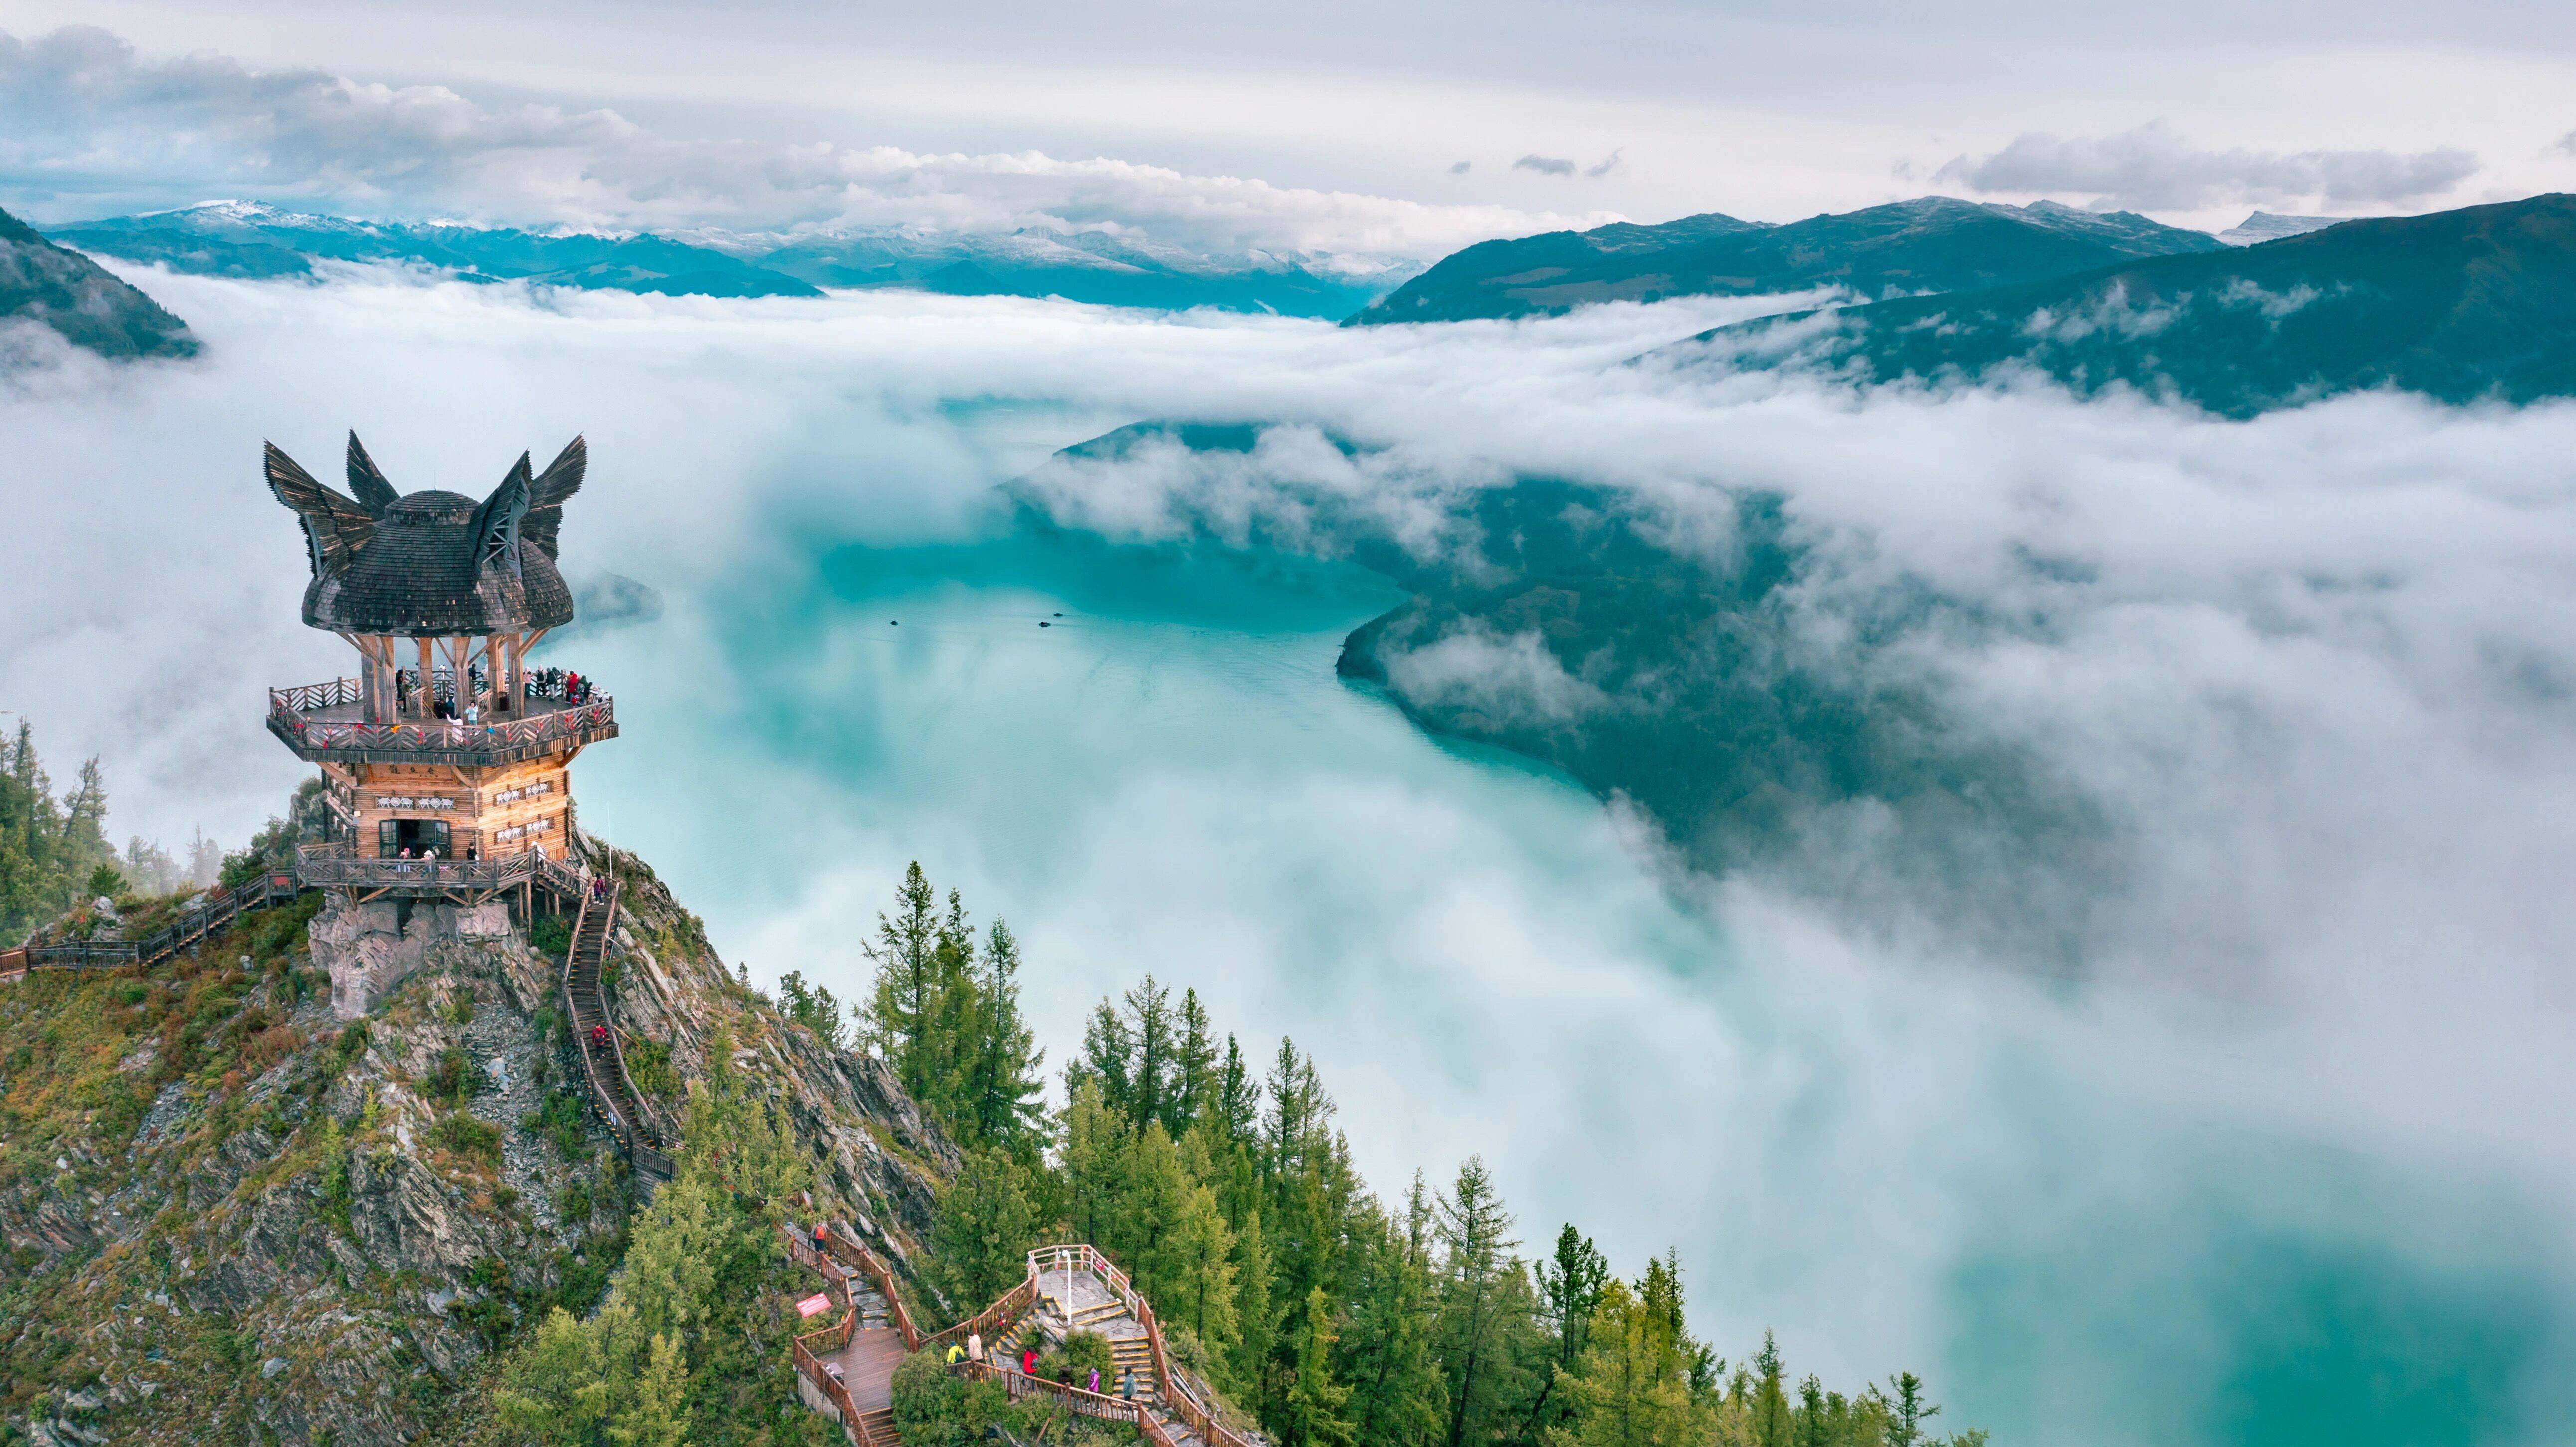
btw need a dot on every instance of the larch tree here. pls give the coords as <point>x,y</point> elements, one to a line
<point>1313,1413</point>
<point>1007,1089</point>
<point>1632,1384</point>
<point>1476,1246</point>
<point>986,1224</point>
<point>1397,1391</point>
<point>1194,1068</point>
<point>904,953</point>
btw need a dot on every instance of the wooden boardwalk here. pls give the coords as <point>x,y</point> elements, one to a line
<point>847,1370</point>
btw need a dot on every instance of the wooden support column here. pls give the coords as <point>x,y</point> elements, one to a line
<point>428,688</point>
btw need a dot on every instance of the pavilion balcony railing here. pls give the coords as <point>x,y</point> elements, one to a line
<point>292,717</point>
<point>339,865</point>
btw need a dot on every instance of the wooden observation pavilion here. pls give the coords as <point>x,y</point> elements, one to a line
<point>446,758</point>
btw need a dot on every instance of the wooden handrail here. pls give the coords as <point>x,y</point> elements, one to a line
<point>1075,1399</point>
<point>198,921</point>
<point>849,1248</point>
<point>1004,1312</point>
<point>617,1037</point>
<point>837,1394</point>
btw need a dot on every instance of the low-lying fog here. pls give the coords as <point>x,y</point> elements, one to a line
<point>2287,1161</point>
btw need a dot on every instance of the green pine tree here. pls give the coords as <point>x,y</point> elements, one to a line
<point>986,1225</point>
<point>1476,1245</point>
<point>1194,1068</point>
<point>1398,1394</point>
<point>1093,1162</point>
<point>1256,1319</point>
<point>1006,1098</point>
<point>1313,1417</point>
<point>1773,1424</point>
<point>905,954</point>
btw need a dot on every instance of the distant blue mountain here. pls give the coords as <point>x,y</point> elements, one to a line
<point>1929,245</point>
<point>238,238</point>
<point>249,239</point>
<point>1100,268</point>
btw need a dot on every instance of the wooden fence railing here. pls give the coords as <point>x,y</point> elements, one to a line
<point>994,1321</point>
<point>810,1366</point>
<point>1021,1385</point>
<point>200,919</point>
<point>849,1250</point>
<point>291,710</point>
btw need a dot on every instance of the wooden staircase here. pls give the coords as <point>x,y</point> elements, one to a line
<point>603,1060</point>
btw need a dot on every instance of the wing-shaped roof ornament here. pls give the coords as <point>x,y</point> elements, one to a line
<point>336,527</point>
<point>366,482</point>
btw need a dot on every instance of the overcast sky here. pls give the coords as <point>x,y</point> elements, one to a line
<point>1399,128</point>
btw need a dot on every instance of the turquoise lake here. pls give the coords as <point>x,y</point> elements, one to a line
<point>1991,1183</point>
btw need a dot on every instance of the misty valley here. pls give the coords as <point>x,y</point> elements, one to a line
<point>1102,800</point>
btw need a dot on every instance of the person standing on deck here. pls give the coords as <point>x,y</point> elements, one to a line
<point>974,1346</point>
<point>1094,1386</point>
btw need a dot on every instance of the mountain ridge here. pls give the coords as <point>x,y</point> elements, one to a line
<point>256,241</point>
<point>2461,306</point>
<point>1934,243</point>
<point>86,304</point>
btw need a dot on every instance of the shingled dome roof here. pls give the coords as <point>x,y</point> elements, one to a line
<point>432,563</point>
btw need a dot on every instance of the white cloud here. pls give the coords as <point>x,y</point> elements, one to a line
<point>1510,680</point>
<point>2321,662</point>
<point>2154,168</point>
<point>91,125</point>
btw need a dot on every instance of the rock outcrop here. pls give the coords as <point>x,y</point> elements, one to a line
<point>369,948</point>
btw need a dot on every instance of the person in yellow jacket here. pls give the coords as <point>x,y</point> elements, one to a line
<point>956,1354</point>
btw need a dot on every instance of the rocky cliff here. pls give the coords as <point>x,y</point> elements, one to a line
<point>231,1214</point>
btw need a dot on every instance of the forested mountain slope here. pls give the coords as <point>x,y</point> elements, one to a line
<point>230,1216</point>
<point>45,283</point>
<point>2461,306</point>
<point>1932,244</point>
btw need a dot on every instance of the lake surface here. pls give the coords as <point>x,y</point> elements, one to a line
<point>2075,1214</point>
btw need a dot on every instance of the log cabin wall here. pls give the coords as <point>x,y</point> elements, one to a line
<point>496,812</point>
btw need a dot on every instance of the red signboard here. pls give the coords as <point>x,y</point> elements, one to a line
<point>813,1304</point>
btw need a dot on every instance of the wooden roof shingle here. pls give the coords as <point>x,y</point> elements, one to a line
<point>432,563</point>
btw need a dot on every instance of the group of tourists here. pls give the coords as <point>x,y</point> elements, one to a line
<point>428,854</point>
<point>557,683</point>
<point>412,698</point>
<point>973,1351</point>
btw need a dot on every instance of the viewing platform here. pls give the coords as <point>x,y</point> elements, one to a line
<point>340,865</point>
<point>324,723</point>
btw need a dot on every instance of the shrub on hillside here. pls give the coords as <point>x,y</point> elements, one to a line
<point>466,1136</point>
<point>551,935</point>
<point>1073,1362</point>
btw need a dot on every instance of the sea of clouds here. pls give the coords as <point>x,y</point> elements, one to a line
<point>2322,664</point>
